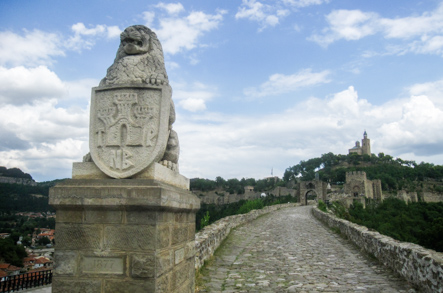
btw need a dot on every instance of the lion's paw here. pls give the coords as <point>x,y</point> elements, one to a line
<point>170,165</point>
<point>157,79</point>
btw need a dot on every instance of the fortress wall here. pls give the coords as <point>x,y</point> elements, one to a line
<point>210,237</point>
<point>355,175</point>
<point>432,197</point>
<point>419,266</point>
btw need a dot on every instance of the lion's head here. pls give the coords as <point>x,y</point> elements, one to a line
<point>139,59</point>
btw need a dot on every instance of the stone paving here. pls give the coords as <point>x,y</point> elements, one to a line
<point>291,251</point>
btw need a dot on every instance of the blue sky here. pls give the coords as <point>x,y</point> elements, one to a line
<point>258,85</point>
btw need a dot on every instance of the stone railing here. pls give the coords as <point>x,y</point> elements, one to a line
<point>210,237</point>
<point>419,266</point>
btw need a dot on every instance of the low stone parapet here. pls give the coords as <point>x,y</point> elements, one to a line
<point>421,267</point>
<point>210,237</point>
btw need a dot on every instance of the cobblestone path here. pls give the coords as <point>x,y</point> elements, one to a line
<point>290,251</point>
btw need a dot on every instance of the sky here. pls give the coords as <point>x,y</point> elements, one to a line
<point>258,85</point>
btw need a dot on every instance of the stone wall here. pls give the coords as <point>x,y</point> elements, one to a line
<point>419,266</point>
<point>432,197</point>
<point>209,238</point>
<point>221,196</point>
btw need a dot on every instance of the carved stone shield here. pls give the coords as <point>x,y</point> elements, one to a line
<point>128,127</point>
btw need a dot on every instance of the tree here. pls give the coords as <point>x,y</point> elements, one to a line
<point>43,241</point>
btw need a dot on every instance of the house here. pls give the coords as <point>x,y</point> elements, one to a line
<point>9,269</point>
<point>3,275</point>
<point>42,262</point>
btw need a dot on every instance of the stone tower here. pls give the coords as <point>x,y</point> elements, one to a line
<point>364,148</point>
<point>365,145</point>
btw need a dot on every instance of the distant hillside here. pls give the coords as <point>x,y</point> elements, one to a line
<point>20,193</point>
<point>15,176</point>
<point>14,172</point>
<point>395,174</point>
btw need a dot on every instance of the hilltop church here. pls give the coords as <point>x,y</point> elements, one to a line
<point>364,149</point>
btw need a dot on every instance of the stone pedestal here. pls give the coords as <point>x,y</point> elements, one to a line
<point>123,235</point>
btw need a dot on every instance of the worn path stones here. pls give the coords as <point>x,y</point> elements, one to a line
<point>290,251</point>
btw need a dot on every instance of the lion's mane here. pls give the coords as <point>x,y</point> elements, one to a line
<point>139,59</point>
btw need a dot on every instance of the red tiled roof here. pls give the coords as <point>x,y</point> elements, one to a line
<point>4,265</point>
<point>13,268</point>
<point>41,260</point>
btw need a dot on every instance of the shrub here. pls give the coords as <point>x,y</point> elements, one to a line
<point>248,206</point>
<point>205,220</point>
<point>322,206</point>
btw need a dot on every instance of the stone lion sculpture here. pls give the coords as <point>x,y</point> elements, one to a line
<point>140,60</point>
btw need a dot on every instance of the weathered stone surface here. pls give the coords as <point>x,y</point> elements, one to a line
<point>141,217</point>
<point>103,216</point>
<point>115,235</point>
<point>142,266</point>
<point>179,255</point>
<point>78,236</point>
<point>191,232</point>
<point>291,251</point>
<point>163,284</point>
<point>129,237</point>
<point>164,262</point>
<point>164,174</point>
<point>209,238</point>
<point>163,236</point>
<point>64,285</point>
<point>114,193</point>
<point>132,112</point>
<point>421,267</point>
<point>65,262</point>
<point>87,170</point>
<point>181,274</point>
<point>190,249</point>
<point>103,265</point>
<point>129,127</point>
<point>134,286</point>
<point>179,234</point>
<point>139,59</point>
<point>69,216</point>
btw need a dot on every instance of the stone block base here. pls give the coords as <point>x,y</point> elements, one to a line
<point>158,172</point>
<point>123,235</point>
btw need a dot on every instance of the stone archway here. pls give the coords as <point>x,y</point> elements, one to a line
<point>312,187</point>
<point>310,195</point>
<point>355,191</point>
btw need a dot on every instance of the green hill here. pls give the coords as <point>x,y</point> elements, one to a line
<point>395,174</point>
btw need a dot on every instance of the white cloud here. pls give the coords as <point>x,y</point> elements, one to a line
<point>45,161</point>
<point>171,8</point>
<point>148,17</point>
<point>423,33</point>
<point>304,3</point>
<point>20,85</point>
<point>432,90</point>
<point>348,25</point>
<point>193,97</point>
<point>280,83</point>
<point>43,138</point>
<point>183,33</point>
<point>270,15</point>
<point>250,145</point>
<point>266,15</point>
<point>32,48</point>
<point>84,38</point>
<point>193,104</point>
